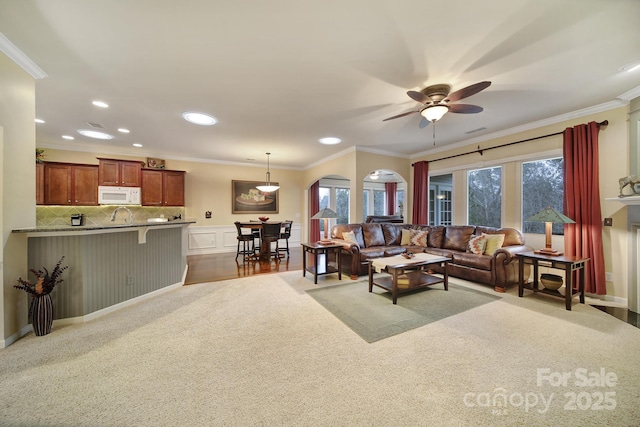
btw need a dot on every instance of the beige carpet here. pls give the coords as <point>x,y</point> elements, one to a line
<point>261,352</point>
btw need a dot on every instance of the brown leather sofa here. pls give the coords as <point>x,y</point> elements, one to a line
<point>375,240</point>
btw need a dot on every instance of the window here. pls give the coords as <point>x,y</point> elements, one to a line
<point>542,186</point>
<point>334,195</point>
<point>399,203</point>
<point>378,202</point>
<point>440,199</point>
<point>485,197</point>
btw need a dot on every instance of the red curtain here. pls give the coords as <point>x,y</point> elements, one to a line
<point>390,190</point>
<point>314,208</point>
<point>582,203</point>
<point>420,211</point>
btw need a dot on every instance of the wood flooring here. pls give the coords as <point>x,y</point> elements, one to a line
<point>223,266</point>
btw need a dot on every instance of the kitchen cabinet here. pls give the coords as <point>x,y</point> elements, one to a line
<point>119,173</point>
<point>70,184</point>
<point>162,187</point>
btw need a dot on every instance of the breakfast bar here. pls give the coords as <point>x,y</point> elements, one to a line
<point>109,265</point>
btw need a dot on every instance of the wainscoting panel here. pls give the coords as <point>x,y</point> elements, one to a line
<point>219,239</point>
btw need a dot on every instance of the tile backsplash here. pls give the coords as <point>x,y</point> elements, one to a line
<point>100,215</point>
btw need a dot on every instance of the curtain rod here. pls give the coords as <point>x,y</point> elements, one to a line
<point>601,124</point>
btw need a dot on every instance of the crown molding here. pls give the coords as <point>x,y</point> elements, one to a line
<point>630,94</point>
<point>19,57</point>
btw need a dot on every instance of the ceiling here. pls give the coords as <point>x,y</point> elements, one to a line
<point>280,74</point>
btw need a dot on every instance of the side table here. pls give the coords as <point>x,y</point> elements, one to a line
<point>317,269</point>
<point>567,263</point>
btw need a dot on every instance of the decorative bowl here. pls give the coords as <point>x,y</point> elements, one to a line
<point>551,281</point>
<point>408,255</point>
<point>263,218</point>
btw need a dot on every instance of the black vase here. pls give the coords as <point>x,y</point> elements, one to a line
<point>42,314</point>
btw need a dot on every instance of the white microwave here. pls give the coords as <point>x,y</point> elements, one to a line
<point>118,195</point>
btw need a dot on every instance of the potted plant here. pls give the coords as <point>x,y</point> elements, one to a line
<point>41,307</point>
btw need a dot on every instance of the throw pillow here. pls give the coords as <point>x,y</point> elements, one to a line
<point>406,236</point>
<point>477,244</point>
<point>418,237</point>
<point>350,237</point>
<point>494,242</point>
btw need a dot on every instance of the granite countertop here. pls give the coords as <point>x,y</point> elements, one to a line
<point>105,226</point>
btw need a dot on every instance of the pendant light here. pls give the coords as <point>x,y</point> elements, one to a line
<point>268,188</point>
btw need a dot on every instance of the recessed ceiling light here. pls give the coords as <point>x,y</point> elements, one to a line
<point>123,130</point>
<point>630,67</point>
<point>137,145</point>
<point>39,121</point>
<point>100,104</point>
<point>94,134</point>
<point>199,118</point>
<point>67,137</point>
<point>330,140</point>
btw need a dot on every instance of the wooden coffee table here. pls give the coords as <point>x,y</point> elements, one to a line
<point>414,271</point>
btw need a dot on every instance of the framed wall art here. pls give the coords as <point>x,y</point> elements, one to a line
<point>246,198</point>
<point>155,163</point>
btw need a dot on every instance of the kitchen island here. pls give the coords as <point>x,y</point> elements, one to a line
<point>110,265</point>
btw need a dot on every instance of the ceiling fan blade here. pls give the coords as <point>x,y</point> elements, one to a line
<point>465,108</point>
<point>467,91</point>
<point>420,97</point>
<point>424,123</point>
<point>401,115</point>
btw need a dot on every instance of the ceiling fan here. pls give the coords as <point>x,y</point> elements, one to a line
<point>437,101</point>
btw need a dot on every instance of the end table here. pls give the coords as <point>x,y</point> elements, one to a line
<point>317,249</point>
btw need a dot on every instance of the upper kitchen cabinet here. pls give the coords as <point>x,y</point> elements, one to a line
<point>70,184</point>
<point>162,187</point>
<point>120,173</point>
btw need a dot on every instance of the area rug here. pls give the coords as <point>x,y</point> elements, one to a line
<point>374,317</point>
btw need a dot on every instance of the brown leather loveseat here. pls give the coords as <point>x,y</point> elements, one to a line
<point>374,240</point>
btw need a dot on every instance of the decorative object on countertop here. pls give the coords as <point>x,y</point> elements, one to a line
<point>39,155</point>
<point>263,218</point>
<point>549,216</point>
<point>551,281</point>
<point>41,307</point>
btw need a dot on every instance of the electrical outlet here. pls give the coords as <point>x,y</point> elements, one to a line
<point>608,276</point>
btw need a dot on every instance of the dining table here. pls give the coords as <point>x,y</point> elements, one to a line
<point>265,247</point>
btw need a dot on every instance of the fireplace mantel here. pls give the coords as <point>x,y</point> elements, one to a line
<point>630,200</point>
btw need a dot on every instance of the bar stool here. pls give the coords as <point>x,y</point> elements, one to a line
<point>246,239</point>
<point>285,233</point>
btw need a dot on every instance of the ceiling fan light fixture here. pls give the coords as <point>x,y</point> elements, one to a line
<point>268,188</point>
<point>374,175</point>
<point>434,113</point>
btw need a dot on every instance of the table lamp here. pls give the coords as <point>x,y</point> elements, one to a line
<point>325,214</point>
<point>549,216</point>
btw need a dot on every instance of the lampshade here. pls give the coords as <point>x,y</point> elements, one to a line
<point>549,216</point>
<point>325,213</point>
<point>434,112</point>
<point>267,188</point>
